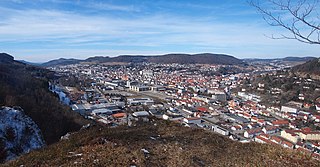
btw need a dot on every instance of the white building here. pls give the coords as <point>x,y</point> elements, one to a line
<point>220,130</point>
<point>139,88</point>
<point>140,101</point>
<point>219,96</point>
<point>101,111</point>
<point>140,114</point>
<point>288,109</point>
<point>192,120</point>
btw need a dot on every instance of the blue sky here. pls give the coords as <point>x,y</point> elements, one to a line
<point>43,30</point>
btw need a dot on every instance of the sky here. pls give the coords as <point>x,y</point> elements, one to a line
<point>42,30</point>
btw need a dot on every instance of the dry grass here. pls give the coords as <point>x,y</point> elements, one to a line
<point>174,146</point>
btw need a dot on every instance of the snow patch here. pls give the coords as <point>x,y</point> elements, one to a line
<point>18,133</point>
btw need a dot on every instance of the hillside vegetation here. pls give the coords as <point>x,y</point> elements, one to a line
<point>309,69</point>
<point>204,58</point>
<point>26,86</point>
<point>158,143</point>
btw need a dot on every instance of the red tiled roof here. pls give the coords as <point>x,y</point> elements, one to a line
<point>254,131</point>
<point>202,109</point>
<point>306,129</point>
<point>284,142</point>
<point>119,115</point>
<point>266,136</point>
<point>280,122</point>
<point>276,139</point>
<point>263,139</point>
<point>271,128</point>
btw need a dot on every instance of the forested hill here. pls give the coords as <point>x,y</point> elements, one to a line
<point>6,58</point>
<point>26,86</point>
<point>310,68</point>
<point>203,58</point>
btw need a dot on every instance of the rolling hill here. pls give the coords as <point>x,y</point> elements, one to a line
<point>286,59</point>
<point>204,58</point>
<point>61,61</point>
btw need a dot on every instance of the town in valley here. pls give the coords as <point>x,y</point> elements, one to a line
<point>261,101</point>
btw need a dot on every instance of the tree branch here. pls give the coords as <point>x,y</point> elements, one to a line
<point>276,13</point>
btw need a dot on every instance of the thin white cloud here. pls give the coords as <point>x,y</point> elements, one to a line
<point>108,6</point>
<point>50,25</point>
<point>162,32</point>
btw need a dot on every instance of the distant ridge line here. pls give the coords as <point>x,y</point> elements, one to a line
<point>202,58</point>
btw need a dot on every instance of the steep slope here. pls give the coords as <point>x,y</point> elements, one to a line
<point>159,143</point>
<point>18,134</point>
<point>310,68</point>
<point>26,86</point>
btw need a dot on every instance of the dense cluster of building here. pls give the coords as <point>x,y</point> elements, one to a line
<point>193,96</point>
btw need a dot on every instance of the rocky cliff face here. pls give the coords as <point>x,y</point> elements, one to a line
<point>18,134</point>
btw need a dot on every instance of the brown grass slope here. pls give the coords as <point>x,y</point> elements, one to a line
<point>309,69</point>
<point>174,146</point>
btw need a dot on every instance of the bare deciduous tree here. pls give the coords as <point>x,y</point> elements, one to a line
<point>300,17</point>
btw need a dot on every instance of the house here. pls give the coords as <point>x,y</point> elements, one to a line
<point>289,109</point>
<point>252,132</point>
<point>262,138</point>
<point>139,88</point>
<point>287,144</point>
<point>270,129</point>
<point>303,115</point>
<point>139,101</point>
<point>192,120</point>
<point>265,113</point>
<point>246,115</point>
<point>236,127</point>
<point>254,119</point>
<point>158,88</point>
<point>310,135</point>
<point>236,118</point>
<point>218,95</point>
<point>276,139</point>
<point>280,123</point>
<point>290,135</point>
<point>318,107</point>
<point>119,115</point>
<point>253,125</point>
<point>316,118</point>
<point>101,111</point>
<point>202,109</point>
<point>303,134</point>
<point>261,122</point>
<point>140,114</point>
<point>220,130</point>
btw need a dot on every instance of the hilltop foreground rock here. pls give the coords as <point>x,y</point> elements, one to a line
<point>18,134</point>
<point>158,143</point>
